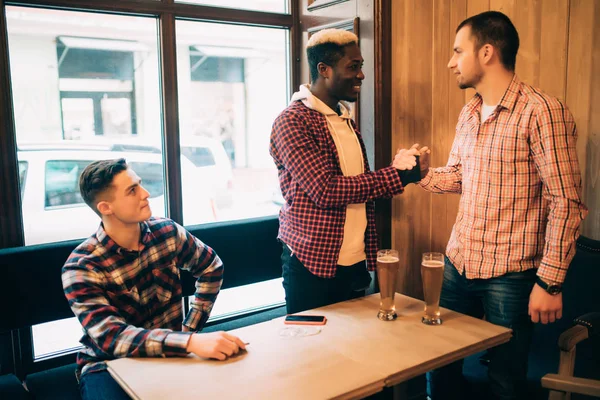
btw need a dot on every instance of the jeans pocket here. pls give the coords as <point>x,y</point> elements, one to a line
<point>290,263</point>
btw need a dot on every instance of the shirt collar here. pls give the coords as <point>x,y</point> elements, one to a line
<point>512,94</point>
<point>109,244</point>
<point>508,101</point>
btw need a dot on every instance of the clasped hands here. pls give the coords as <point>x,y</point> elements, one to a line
<point>406,159</point>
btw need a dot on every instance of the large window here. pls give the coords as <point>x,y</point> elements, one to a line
<point>101,86</point>
<point>75,80</point>
<point>234,82</point>
<point>88,85</point>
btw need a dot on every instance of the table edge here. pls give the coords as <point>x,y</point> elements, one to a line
<point>448,358</point>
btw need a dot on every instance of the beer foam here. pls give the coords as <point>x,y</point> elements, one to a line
<point>388,259</point>
<point>432,264</point>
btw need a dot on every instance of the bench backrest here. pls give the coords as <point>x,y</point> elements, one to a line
<point>31,287</point>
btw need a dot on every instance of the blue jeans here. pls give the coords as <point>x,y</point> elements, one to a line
<point>504,301</point>
<point>100,386</point>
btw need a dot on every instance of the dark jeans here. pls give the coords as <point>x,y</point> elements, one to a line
<point>504,301</point>
<point>101,386</point>
<point>304,291</point>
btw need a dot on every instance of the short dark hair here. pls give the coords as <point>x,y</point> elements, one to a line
<point>97,177</point>
<point>329,53</point>
<point>495,28</point>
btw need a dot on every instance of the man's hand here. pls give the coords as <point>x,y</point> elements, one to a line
<point>424,160</point>
<point>219,345</point>
<point>405,159</point>
<point>543,306</point>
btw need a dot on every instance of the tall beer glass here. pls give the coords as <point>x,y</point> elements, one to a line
<point>387,271</point>
<point>432,272</point>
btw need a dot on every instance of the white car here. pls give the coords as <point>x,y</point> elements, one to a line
<point>53,209</point>
<point>208,155</point>
<point>213,164</point>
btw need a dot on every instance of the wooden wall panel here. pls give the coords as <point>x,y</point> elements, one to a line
<point>526,16</point>
<point>580,70</point>
<point>474,7</point>
<point>440,121</point>
<point>458,14</point>
<point>447,101</point>
<point>553,47</point>
<point>412,35</point>
<point>591,226</point>
<point>582,95</point>
<point>543,32</point>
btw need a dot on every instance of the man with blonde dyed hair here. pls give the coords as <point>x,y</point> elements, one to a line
<point>327,224</point>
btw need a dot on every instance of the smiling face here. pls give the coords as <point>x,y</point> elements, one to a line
<point>346,76</point>
<point>465,62</point>
<point>126,199</point>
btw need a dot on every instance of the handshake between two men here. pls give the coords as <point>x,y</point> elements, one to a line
<point>406,159</point>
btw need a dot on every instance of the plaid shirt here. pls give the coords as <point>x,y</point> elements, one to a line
<point>316,191</point>
<point>521,186</point>
<point>129,302</point>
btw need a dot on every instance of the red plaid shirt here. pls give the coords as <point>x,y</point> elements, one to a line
<point>521,186</point>
<point>129,302</point>
<point>311,222</point>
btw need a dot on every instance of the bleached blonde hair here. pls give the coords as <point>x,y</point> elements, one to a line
<point>340,37</point>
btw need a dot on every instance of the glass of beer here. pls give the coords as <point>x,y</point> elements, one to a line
<point>432,273</point>
<point>387,271</point>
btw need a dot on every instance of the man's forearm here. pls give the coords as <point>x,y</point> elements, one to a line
<point>562,231</point>
<point>443,180</point>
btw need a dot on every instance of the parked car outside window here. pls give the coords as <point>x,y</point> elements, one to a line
<point>213,164</point>
<point>53,209</point>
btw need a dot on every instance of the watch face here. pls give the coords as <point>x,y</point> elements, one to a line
<point>554,289</point>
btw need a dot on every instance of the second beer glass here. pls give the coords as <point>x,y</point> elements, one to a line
<point>432,273</point>
<point>387,271</point>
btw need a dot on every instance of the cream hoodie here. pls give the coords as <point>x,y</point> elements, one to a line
<point>352,163</point>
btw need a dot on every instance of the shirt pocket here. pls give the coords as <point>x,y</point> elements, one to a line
<point>166,281</point>
<point>510,145</point>
<point>126,301</point>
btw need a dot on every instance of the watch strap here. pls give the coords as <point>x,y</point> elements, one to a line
<point>553,288</point>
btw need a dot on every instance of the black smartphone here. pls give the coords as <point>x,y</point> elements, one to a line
<point>305,320</point>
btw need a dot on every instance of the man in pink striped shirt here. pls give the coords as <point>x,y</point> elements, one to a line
<point>514,162</point>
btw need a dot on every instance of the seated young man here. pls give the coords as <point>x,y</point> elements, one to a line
<point>123,283</point>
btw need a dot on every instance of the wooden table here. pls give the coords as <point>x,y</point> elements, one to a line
<point>354,355</point>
